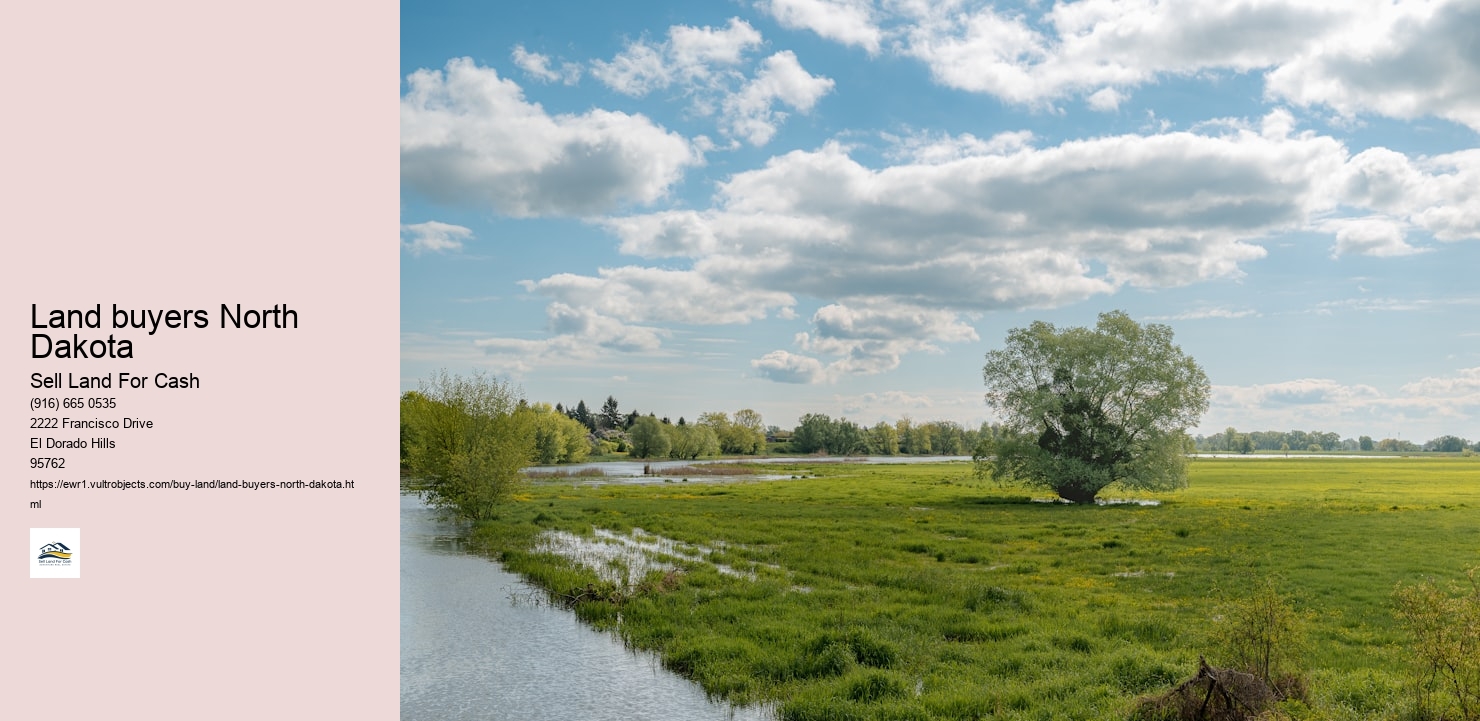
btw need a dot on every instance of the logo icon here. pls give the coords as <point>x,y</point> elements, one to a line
<point>58,551</point>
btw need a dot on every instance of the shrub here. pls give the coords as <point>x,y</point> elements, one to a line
<point>1263,635</point>
<point>1445,629</point>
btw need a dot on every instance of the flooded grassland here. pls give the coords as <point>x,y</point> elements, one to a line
<point>873,592</point>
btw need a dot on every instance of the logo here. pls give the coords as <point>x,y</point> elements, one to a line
<point>58,551</point>
<point>55,553</point>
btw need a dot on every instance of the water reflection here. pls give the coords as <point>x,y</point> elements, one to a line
<point>471,650</point>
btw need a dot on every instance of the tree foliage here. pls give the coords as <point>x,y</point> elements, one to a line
<point>743,435</point>
<point>465,441</point>
<point>558,438</point>
<point>820,433</point>
<point>648,438</point>
<point>1084,408</point>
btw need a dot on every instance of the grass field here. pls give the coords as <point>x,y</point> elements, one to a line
<point>918,592</point>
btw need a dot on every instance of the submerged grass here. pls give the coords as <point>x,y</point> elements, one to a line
<point>904,592</point>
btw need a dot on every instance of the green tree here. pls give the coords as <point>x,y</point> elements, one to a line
<point>1446,444</point>
<point>690,441</point>
<point>811,433</point>
<point>648,438</point>
<point>466,441</point>
<point>750,432</point>
<point>583,416</point>
<point>611,416</point>
<point>883,439</point>
<point>1084,408</point>
<point>558,438</point>
<point>1365,443</point>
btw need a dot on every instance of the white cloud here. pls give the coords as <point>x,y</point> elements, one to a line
<point>469,137</point>
<point>578,334</point>
<point>1375,236</point>
<point>539,67</point>
<point>784,367</point>
<point>638,294</point>
<point>850,22</point>
<point>1440,194</point>
<point>932,149</point>
<point>872,338</point>
<point>1105,99</point>
<point>695,56</point>
<point>434,237</point>
<point>1095,45</point>
<point>1403,59</point>
<point>959,224</point>
<point>1017,229</point>
<point>1205,313</point>
<point>636,71</point>
<point>694,50</point>
<point>709,66</point>
<point>751,113</point>
<point>1434,406</point>
<point>618,308</point>
<point>1399,59</point>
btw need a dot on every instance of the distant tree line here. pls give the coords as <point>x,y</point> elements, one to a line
<point>1233,441</point>
<point>819,433</point>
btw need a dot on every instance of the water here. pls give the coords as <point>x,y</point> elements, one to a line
<point>472,649</point>
<point>629,469</point>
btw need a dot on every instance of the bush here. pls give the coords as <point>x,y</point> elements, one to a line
<point>1445,649</point>
<point>1262,634</point>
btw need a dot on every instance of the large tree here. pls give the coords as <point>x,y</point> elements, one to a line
<point>1086,408</point>
<point>648,439</point>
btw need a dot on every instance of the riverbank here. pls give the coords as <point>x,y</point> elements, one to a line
<point>915,591</point>
<point>477,644</point>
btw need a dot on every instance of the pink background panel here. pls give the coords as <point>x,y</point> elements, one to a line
<point>183,155</point>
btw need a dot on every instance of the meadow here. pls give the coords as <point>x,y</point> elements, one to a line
<point>920,592</point>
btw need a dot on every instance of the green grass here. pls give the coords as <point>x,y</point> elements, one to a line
<point>915,591</point>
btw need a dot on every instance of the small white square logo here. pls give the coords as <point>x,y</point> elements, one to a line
<point>56,553</point>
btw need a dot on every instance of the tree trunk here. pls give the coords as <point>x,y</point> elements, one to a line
<point>1076,494</point>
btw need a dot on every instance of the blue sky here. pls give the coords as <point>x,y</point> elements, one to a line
<point>839,206</point>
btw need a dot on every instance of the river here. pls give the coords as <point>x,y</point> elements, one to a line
<point>472,649</point>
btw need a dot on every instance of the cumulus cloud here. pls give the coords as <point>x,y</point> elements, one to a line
<point>639,294</point>
<point>1399,59</point>
<point>1375,236</point>
<point>850,22</point>
<point>577,334</point>
<point>619,309</point>
<point>710,67</point>
<point>751,113</point>
<point>1442,404</point>
<point>1019,228</point>
<point>959,224</point>
<point>434,237</point>
<point>1439,194</point>
<point>469,137</point>
<point>1402,60</point>
<point>784,367</point>
<point>872,338</point>
<point>1098,47</point>
<point>541,68</point>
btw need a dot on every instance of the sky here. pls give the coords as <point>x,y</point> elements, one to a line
<point>840,206</point>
